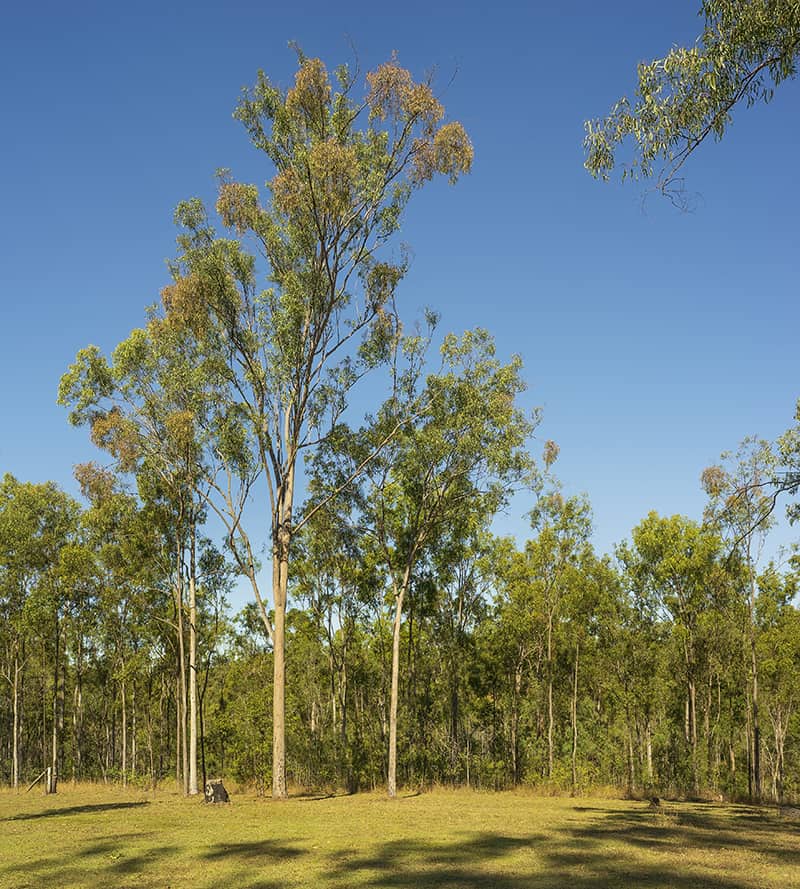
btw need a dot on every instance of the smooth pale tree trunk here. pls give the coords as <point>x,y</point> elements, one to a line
<point>399,598</point>
<point>133,730</point>
<point>780,721</point>
<point>150,745</point>
<point>575,723</point>
<point>343,697</point>
<point>515,763</point>
<point>693,730</point>
<point>124,702</point>
<point>749,732</point>
<point>756,755</point>
<point>690,714</point>
<point>707,733</point>
<point>391,784</point>
<point>193,790</point>
<point>45,707</point>
<point>182,705</point>
<point>106,761</point>
<point>16,721</point>
<point>631,761</point>
<point>282,538</point>
<point>279,788</point>
<point>178,758</point>
<point>58,713</point>
<point>550,697</point>
<point>201,717</point>
<point>77,714</point>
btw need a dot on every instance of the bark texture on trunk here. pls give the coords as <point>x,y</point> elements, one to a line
<point>575,722</point>
<point>16,722</point>
<point>280,578</point>
<point>193,789</point>
<point>391,781</point>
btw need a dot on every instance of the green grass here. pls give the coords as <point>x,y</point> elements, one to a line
<point>108,838</point>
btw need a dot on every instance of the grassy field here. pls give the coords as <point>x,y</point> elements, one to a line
<point>107,838</point>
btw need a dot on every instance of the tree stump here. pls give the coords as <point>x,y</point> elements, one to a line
<point>216,792</point>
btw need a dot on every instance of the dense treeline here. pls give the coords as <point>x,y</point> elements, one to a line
<point>659,670</point>
<point>391,639</point>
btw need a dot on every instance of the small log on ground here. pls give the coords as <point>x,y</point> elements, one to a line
<point>36,780</point>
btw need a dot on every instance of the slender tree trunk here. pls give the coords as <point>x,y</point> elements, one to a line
<point>182,705</point>
<point>707,732</point>
<point>16,721</point>
<point>515,764</point>
<point>749,735</point>
<point>649,742</point>
<point>192,659</point>
<point>282,537</point>
<point>178,757</point>
<point>150,740</point>
<point>202,736</point>
<point>77,714</point>
<point>58,712</point>
<point>575,723</point>
<point>686,727</point>
<point>780,740</point>
<point>134,733</point>
<point>756,758</point>
<point>45,707</point>
<point>108,750</point>
<point>343,699</point>
<point>124,715</point>
<point>279,590</point>
<point>550,697</point>
<point>631,759</point>
<point>163,726</point>
<point>693,734</point>
<point>399,597</point>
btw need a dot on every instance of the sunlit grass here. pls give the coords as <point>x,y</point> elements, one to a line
<point>94,836</point>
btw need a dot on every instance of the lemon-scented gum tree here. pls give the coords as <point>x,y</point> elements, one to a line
<point>278,364</point>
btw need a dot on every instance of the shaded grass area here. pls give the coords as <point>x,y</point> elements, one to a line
<point>88,837</point>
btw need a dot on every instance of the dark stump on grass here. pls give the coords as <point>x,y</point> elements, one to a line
<point>216,792</point>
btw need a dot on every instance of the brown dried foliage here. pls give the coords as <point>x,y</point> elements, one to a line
<point>450,153</point>
<point>551,452</point>
<point>185,303</point>
<point>237,205</point>
<point>713,480</point>
<point>110,433</point>
<point>311,91</point>
<point>389,85</point>
<point>180,429</point>
<point>393,94</point>
<point>95,482</point>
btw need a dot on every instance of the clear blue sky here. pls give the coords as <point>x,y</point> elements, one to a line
<point>652,339</point>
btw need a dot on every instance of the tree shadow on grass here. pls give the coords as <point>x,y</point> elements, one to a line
<point>101,864</point>
<point>618,848</point>
<point>258,850</point>
<point>246,859</point>
<point>75,810</point>
<point>418,863</point>
<point>694,827</point>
